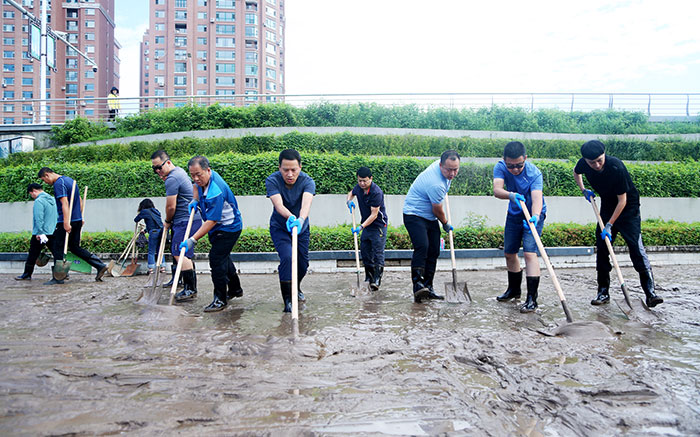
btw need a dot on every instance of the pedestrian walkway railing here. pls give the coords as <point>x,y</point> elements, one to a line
<point>29,111</point>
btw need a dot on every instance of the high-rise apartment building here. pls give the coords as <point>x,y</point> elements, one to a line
<point>214,47</point>
<point>89,26</point>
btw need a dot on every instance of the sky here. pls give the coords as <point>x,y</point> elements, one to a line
<point>416,46</point>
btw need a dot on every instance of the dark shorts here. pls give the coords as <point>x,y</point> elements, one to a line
<point>179,235</point>
<point>515,233</point>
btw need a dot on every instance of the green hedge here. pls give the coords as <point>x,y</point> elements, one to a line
<point>354,144</point>
<point>655,233</point>
<point>374,115</point>
<point>335,174</point>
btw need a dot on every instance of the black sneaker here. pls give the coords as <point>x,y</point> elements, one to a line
<point>23,277</point>
<point>215,305</point>
<point>53,281</point>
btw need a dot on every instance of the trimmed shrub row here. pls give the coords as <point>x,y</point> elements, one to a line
<point>335,174</point>
<point>373,115</point>
<point>354,144</point>
<point>655,233</point>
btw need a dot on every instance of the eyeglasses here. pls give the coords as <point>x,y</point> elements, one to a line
<point>513,166</point>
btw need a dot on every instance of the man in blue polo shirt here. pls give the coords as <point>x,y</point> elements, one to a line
<point>515,179</point>
<point>222,221</point>
<point>422,216</point>
<point>62,186</point>
<point>291,192</point>
<point>373,224</point>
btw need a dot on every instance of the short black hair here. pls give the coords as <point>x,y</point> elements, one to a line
<point>162,154</point>
<point>364,172</point>
<point>200,160</point>
<point>290,155</point>
<point>114,89</point>
<point>449,154</point>
<point>33,186</point>
<point>514,149</point>
<point>43,171</point>
<point>592,149</point>
<point>145,204</point>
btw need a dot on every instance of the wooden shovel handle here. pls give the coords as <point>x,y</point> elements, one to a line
<point>70,211</point>
<point>452,241</point>
<point>295,274</point>
<point>181,258</point>
<point>354,236</point>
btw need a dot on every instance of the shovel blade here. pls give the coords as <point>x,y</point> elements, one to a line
<point>61,269</point>
<point>362,290</point>
<point>131,269</point>
<point>43,259</point>
<point>460,295</point>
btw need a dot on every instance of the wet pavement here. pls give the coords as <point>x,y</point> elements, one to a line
<point>85,359</point>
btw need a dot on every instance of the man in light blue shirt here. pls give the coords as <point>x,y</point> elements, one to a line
<point>422,216</point>
<point>45,216</point>
<point>517,180</point>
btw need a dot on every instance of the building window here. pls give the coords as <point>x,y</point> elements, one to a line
<point>8,27</point>
<point>201,15</point>
<point>8,54</point>
<point>201,92</point>
<point>89,74</point>
<point>251,31</point>
<point>225,54</point>
<point>201,80</point>
<point>201,2</point>
<point>251,82</point>
<point>251,70</point>
<point>180,3</point>
<point>225,92</point>
<point>90,23</point>
<point>8,94</point>
<point>202,54</point>
<point>225,68</point>
<point>270,36</point>
<point>90,49</point>
<point>159,53</point>
<point>201,67</point>
<point>9,81</point>
<point>8,120</point>
<point>270,48</point>
<point>90,36</point>
<point>27,68</point>
<point>180,67</point>
<point>270,86</point>
<point>180,41</point>
<point>27,94</point>
<point>180,92</point>
<point>159,93</point>
<point>225,16</point>
<point>89,87</point>
<point>251,19</point>
<point>8,108</point>
<point>251,57</point>
<point>8,41</point>
<point>226,80</point>
<point>160,26</point>
<point>228,4</point>
<point>89,11</point>
<point>270,11</point>
<point>160,65</point>
<point>271,61</point>
<point>160,80</point>
<point>251,93</point>
<point>71,63</point>
<point>270,73</point>
<point>180,15</point>
<point>272,24</point>
<point>27,107</point>
<point>160,14</point>
<point>71,76</point>
<point>160,40</point>
<point>8,68</point>
<point>226,42</point>
<point>8,14</point>
<point>202,41</point>
<point>71,25</point>
<point>228,29</point>
<point>180,80</point>
<point>201,28</point>
<point>72,88</point>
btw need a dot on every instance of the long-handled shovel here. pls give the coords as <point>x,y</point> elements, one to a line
<point>131,269</point>
<point>457,292</point>
<point>78,264</point>
<point>151,296</point>
<point>295,282</point>
<point>360,289</point>
<point>61,268</point>
<point>623,286</point>
<point>115,268</point>
<point>181,259</point>
<point>545,257</point>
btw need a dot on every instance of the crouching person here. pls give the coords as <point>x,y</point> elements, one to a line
<point>222,221</point>
<point>45,216</point>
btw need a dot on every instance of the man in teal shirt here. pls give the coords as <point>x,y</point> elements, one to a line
<point>45,216</point>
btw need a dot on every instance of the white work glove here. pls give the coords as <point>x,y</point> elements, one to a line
<point>43,239</point>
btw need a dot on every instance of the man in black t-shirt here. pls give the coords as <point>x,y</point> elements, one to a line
<point>619,210</point>
<point>373,224</point>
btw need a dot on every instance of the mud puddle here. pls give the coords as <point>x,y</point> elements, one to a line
<point>84,359</point>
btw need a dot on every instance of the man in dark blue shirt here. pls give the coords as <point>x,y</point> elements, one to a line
<point>222,221</point>
<point>291,192</point>
<point>62,186</point>
<point>370,200</point>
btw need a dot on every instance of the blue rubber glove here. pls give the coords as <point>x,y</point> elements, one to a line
<point>188,244</point>
<point>292,222</point>
<point>535,219</point>
<point>193,204</point>
<point>447,227</point>
<point>357,229</point>
<point>516,198</point>
<point>607,232</point>
<point>588,194</point>
<point>351,205</point>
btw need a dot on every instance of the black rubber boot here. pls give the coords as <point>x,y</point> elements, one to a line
<point>24,276</point>
<point>189,291</point>
<point>429,275</point>
<point>530,305</point>
<point>420,291</point>
<point>215,305</point>
<point>286,289</point>
<point>378,271</point>
<point>513,291</point>
<point>53,280</point>
<point>647,280</point>
<point>369,273</point>
<point>169,284</point>
<point>301,298</point>
<point>603,296</point>
<point>234,287</point>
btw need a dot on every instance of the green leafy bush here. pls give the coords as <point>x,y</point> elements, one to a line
<point>77,130</point>
<point>334,174</point>
<point>497,118</point>
<point>654,233</point>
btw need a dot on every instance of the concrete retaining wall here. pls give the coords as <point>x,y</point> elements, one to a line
<point>330,210</point>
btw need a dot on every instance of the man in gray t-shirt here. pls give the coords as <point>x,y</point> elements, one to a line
<point>178,191</point>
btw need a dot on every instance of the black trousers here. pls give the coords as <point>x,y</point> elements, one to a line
<point>631,230</point>
<point>35,248</point>
<point>59,239</point>
<point>425,238</point>
<point>222,268</point>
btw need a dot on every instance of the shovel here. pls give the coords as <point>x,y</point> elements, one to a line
<point>295,276</point>
<point>181,259</point>
<point>115,268</point>
<point>545,258</point>
<point>151,296</point>
<point>362,287</point>
<point>78,264</point>
<point>61,267</point>
<point>134,266</point>
<point>455,292</point>
<point>623,286</point>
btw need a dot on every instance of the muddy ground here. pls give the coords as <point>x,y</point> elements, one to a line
<point>85,359</point>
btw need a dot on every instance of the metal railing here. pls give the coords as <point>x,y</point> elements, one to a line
<point>26,111</point>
